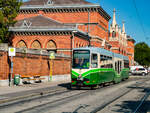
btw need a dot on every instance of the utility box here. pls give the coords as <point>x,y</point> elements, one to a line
<point>17,79</point>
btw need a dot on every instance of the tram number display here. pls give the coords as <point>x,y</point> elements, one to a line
<point>81,54</point>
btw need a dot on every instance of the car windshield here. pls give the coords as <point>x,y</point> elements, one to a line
<point>81,59</point>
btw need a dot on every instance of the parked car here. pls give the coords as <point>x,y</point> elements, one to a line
<point>139,71</point>
<point>148,69</point>
<point>135,67</point>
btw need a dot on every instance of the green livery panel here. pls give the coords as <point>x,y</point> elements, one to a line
<point>98,76</point>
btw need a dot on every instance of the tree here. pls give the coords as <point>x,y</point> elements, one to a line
<point>142,54</point>
<point>8,12</point>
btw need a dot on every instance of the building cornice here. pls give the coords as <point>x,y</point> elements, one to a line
<point>19,29</point>
<point>49,31</point>
<point>65,8</point>
<point>58,6</point>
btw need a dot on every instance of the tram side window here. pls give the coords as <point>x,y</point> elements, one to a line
<point>106,61</point>
<point>94,61</point>
<point>126,64</point>
<point>107,66</point>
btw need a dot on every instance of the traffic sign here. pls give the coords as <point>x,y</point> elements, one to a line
<point>12,51</point>
<point>52,55</point>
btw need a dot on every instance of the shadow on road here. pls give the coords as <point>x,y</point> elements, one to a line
<point>66,85</point>
<point>131,106</point>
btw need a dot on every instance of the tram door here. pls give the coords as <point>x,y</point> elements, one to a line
<point>117,66</point>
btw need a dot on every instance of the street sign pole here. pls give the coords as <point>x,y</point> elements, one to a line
<point>11,71</point>
<point>51,69</point>
<point>52,56</point>
<point>11,53</point>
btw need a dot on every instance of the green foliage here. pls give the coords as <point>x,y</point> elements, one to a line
<point>142,54</point>
<point>8,12</point>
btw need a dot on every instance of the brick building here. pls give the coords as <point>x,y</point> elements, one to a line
<point>130,49</point>
<point>53,25</point>
<point>60,25</point>
<point>120,41</point>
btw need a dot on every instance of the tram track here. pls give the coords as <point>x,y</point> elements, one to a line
<point>59,102</point>
<point>50,94</point>
<point>64,96</point>
<point>137,110</point>
<point>100,108</point>
<point>32,97</point>
<point>52,104</point>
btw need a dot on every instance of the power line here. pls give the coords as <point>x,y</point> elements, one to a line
<point>139,18</point>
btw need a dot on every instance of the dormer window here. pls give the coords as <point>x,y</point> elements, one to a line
<point>49,2</point>
<point>26,24</point>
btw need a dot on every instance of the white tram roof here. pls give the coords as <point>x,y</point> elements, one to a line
<point>103,52</point>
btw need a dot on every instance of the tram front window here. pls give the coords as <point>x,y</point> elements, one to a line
<point>81,59</point>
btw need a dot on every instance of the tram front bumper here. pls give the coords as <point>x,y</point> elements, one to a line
<point>80,83</point>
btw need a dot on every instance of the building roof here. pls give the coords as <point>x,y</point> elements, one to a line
<point>41,22</point>
<point>55,2</point>
<point>62,4</point>
<point>130,39</point>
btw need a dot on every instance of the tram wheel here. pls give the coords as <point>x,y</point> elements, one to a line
<point>92,87</point>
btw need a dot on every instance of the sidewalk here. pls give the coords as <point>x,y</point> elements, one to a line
<point>8,93</point>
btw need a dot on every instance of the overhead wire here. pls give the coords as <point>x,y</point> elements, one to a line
<point>139,18</point>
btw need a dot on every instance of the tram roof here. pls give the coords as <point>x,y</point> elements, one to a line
<point>103,52</point>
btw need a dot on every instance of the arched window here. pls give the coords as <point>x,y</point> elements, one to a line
<point>113,34</point>
<point>21,44</point>
<point>36,45</point>
<point>51,45</point>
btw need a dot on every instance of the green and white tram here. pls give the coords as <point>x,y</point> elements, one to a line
<point>93,66</point>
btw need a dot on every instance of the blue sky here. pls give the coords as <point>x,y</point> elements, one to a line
<point>126,11</point>
<point>137,28</point>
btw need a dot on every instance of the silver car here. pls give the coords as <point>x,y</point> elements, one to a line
<point>139,71</point>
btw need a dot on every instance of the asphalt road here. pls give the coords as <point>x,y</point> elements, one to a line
<point>123,97</point>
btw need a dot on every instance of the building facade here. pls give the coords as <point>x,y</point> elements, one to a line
<point>120,41</point>
<point>60,25</point>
